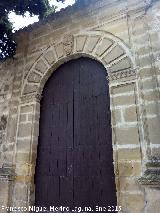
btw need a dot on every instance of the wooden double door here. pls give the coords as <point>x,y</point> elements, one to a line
<point>75,158</point>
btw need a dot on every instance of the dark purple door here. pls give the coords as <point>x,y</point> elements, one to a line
<point>75,157</point>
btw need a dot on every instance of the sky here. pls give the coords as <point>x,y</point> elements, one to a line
<point>20,22</point>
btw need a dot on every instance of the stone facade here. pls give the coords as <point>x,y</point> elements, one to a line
<point>125,37</point>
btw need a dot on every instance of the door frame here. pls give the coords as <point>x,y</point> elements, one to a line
<point>75,71</point>
<point>95,45</point>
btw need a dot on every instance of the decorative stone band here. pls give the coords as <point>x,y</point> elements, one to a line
<point>151,176</point>
<point>122,74</point>
<point>7,174</point>
<point>104,47</point>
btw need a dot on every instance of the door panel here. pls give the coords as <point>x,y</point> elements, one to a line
<point>75,158</point>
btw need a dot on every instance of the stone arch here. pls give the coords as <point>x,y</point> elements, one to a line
<point>104,47</point>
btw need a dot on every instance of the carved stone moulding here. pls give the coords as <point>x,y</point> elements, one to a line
<point>68,44</point>
<point>122,74</point>
<point>3,122</point>
<point>7,174</point>
<point>151,176</point>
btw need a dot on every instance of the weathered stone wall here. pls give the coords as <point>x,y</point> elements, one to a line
<point>6,77</point>
<point>125,37</point>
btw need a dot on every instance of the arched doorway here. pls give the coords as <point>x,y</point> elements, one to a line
<point>75,157</point>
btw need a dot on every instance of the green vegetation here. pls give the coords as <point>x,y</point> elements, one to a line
<point>20,7</point>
